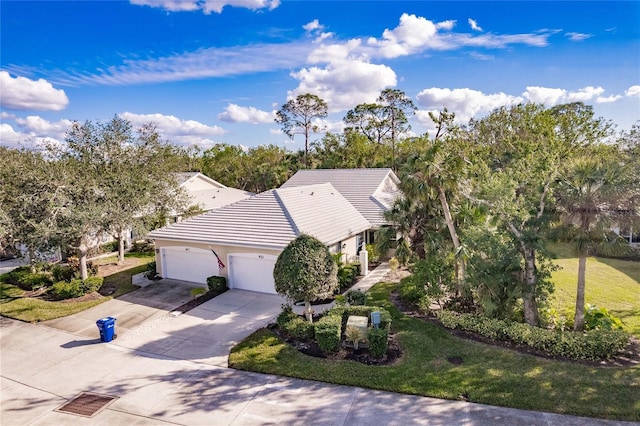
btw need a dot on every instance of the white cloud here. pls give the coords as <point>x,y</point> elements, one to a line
<point>481,56</point>
<point>344,83</point>
<point>36,126</point>
<point>554,96</point>
<point>416,34</point>
<point>578,36</point>
<point>474,25</point>
<point>199,64</point>
<point>608,99</point>
<point>177,131</point>
<point>238,114</point>
<point>207,6</point>
<point>276,131</point>
<point>313,26</point>
<point>21,93</point>
<point>632,91</point>
<point>9,137</point>
<point>465,103</point>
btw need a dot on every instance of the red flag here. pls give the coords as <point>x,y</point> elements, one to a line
<point>220,264</point>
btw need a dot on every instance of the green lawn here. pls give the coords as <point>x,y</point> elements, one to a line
<point>610,283</point>
<point>13,305</point>
<point>488,375</point>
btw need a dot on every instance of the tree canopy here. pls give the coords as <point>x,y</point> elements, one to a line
<point>305,271</point>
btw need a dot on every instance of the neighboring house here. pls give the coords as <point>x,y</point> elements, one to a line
<point>206,193</point>
<point>242,241</point>
<point>370,191</point>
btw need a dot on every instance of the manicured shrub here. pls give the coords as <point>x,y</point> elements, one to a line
<point>76,288</point>
<point>327,331</point>
<point>355,297</point>
<point>592,344</point>
<point>299,328</point>
<point>378,341</point>
<point>217,284</point>
<point>285,316</point>
<point>347,275</point>
<point>27,280</point>
<point>62,273</point>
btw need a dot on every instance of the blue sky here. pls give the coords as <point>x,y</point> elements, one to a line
<point>208,72</point>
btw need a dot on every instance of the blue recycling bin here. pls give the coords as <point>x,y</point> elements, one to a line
<point>107,327</point>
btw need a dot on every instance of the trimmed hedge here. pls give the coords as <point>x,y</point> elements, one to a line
<point>378,341</point>
<point>328,330</point>
<point>76,288</point>
<point>590,345</point>
<point>217,284</point>
<point>299,328</point>
<point>27,280</point>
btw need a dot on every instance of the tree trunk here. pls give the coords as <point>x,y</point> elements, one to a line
<point>82,256</point>
<point>32,259</point>
<point>308,311</point>
<point>578,319</point>
<point>529,287</point>
<point>461,269</point>
<point>121,239</point>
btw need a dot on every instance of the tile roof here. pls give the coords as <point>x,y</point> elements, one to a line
<point>371,191</point>
<point>272,219</point>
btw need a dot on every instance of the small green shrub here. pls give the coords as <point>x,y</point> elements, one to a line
<point>327,331</point>
<point>25,279</point>
<point>413,293</point>
<point>356,297</point>
<point>217,284</point>
<point>340,300</point>
<point>74,263</point>
<point>600,319</point>
<point>372,252</point>
<point>592,345</point>
<point>142,246</point>
<point>198,291</point>
<point>300,328</point>
<point>378,341</point>
<point>76,288</point>
<point>62,273</point>
<point>285,316</point>
<point>151,272</point>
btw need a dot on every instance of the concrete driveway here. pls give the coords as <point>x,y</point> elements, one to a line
<point>130,310</point>
<point>208,332</point>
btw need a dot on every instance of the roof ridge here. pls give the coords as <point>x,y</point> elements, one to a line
<point>285,210</point>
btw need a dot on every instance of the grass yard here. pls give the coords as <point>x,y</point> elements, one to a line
<point>488,374</point>
<point>31,309</point>
<point>610,283</point>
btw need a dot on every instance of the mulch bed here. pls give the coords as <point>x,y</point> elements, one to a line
<point>628,357</point>
<point>362,355</point>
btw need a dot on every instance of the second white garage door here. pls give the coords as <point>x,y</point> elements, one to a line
<point>252,272</point>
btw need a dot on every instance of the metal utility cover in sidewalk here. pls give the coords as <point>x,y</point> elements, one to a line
<point>86,404</point>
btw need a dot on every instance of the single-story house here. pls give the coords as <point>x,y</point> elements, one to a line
<point>370,191</point>
<point>242,241</point>
<point>206,193</point>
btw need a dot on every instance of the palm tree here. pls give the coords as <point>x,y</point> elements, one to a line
<point>591,196</point>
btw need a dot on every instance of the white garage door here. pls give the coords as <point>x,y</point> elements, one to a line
<point>252,272</point>
<point>189,264</point>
